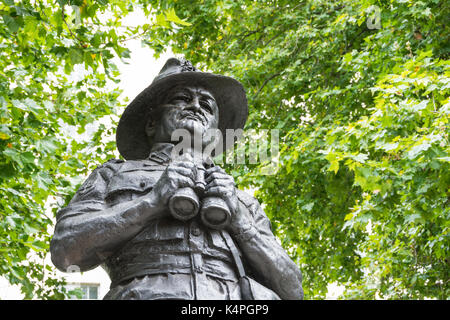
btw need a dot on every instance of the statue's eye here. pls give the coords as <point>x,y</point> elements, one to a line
<point>182,97</point>
<point>205,105</point>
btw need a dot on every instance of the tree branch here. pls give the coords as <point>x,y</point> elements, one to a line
<point>67,25</point>
<point>265,82</point>
<point>140,34</point>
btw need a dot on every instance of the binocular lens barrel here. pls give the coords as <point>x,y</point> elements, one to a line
<point>215,213</point>
<point>184,204</point>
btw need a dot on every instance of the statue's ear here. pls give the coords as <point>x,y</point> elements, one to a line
<point>150,127</point>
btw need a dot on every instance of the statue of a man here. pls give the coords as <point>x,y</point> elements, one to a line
<point>122,217</point>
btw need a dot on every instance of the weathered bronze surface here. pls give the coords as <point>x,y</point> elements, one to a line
<point>167,227</point>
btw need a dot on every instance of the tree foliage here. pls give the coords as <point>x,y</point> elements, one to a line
<point>360,194</point>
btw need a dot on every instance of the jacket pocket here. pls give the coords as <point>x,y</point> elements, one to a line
<point>163,229</point>
<point>125,186</point>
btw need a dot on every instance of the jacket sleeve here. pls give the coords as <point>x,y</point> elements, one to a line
<point>261,222</point>
<point>266,259</point>
<point>76,224</point>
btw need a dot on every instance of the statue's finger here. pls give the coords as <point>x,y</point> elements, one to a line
<point>227,183</point>
<point>215,169</point>
<point>183,171</point>
<point>218,175</point>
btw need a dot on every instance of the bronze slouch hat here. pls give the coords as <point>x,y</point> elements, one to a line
<point>132,141</point>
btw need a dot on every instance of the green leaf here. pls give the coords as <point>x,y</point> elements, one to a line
<point>171,16</point>
<point>76,55</point>
<point>161,20</point>
<point>360,157</point>
<point>389,146</point>
<point>415,217</point>
<point>13,23</point>
<point>38,245</point>
<point>308,207</point>
<point>334,166</point>
<point>5,133</point>
<point>14,155</point>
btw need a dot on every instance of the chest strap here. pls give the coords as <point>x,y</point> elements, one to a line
<point>244,283</point>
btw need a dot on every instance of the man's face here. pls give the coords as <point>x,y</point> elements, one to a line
<point>191,108</point>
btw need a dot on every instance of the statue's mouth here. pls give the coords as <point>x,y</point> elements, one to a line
<point>192,116</point>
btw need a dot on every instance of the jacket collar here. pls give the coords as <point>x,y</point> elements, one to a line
<point>161,153</point>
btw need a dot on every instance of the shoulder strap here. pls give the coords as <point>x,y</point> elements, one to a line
<point>244,283</point>
<point>234,253</point>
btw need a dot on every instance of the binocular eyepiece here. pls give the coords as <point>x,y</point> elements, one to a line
<point>185,204</point>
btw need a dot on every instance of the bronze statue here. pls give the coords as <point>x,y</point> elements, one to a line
<point>167,227</point>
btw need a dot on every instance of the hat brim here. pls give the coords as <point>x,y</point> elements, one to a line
<point>131,138</point>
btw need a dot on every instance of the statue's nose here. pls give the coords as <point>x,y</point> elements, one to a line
<point>194,105</point>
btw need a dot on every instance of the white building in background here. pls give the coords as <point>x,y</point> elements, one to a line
<point>94,284</point>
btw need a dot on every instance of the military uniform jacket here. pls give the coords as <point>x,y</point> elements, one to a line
<point>168,258</point>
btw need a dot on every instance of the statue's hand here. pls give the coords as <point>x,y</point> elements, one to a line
<point>220,184</point>
<point>178,174</point>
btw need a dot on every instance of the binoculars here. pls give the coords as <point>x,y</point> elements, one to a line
<point>185,204</point>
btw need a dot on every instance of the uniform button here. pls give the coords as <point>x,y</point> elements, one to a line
<point>142,184</point>
<point>195,231</point>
